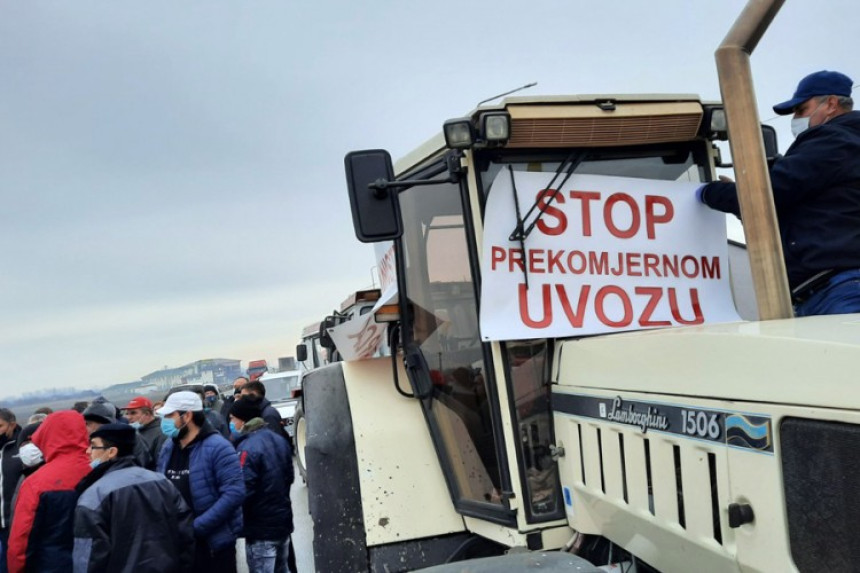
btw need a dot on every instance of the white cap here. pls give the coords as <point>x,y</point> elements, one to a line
<point>181,402</point>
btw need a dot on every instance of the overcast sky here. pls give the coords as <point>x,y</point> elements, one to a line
<point>171,173</point>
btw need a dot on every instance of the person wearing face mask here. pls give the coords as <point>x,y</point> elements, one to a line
<point>102,412</point>
<point>257,391</point>
<point>213,416</point>
<point>267,466</point>
<point>10,472</point>
<point>42,535</point>
<point>140,415</point>
<point>205,469</point>
<point>816,192</point>
<point>31,460</point>
<point>212,398</point>
<point>31,456</point>
<point>160,539</point>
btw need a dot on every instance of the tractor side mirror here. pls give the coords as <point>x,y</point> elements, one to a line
<point>325,339</point>
<point>373,201</point>
<point>771,148</point>
<point>771,143</point>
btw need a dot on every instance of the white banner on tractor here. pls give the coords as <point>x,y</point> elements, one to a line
<point>386,264</point>
<point>362,337</point>
<point>607,254</point>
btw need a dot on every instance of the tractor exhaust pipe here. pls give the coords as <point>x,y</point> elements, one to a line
<point>745,140</point>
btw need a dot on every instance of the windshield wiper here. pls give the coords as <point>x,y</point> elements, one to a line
<point>518,231</point>
<point>568,166</point>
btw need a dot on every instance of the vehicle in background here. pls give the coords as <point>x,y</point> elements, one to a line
<point>356,305</point>
<point>196,388</point>
<point>257,368</point>
<point>283,390</point>
<point>310,353</point>
<point>317,349</point>
<point>287,363</point>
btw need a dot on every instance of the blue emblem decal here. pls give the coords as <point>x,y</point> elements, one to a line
<point>752,432</point>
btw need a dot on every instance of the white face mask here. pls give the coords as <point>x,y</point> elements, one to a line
<point>799,125</point>
<point>30,455</point>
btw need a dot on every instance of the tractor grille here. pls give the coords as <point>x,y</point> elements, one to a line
<point>675,482</point>
<point>589,126</point>
<point>821,471</point>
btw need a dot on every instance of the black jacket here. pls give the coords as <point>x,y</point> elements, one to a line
<point>217,422</point>
<point>11,469</point>
<point>154,438</point>
<point>225,408</point>
<point>141,453</point>
<point>816,191</point>
<point>273,419</point>
<point>130,519</point>
<point>267,468</point>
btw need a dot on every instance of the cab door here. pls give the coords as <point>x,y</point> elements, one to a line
<point>448,365</point>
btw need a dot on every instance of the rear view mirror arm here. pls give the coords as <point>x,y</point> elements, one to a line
<point>452,166</point>
<point>381,186</point>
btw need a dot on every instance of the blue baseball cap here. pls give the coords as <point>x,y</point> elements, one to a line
<point>821,83</point>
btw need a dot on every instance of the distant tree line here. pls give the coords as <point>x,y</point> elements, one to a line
<point>36,396</point>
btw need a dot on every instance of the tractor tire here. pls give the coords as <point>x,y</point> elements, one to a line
<point>300,431</point>
<point>334,494</point>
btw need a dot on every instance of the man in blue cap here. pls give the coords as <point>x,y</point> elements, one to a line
<point>816,192</point>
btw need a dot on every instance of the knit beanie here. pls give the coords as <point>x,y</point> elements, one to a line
<point>247,408</point>
<point>100,411</point>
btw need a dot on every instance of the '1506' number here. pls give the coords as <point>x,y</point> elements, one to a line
<point>700,424</point>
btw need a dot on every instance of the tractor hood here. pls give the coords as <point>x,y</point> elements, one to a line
<point>809,361</point>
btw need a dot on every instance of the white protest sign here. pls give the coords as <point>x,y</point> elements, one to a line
<point>359,338</point>
<point>608,254</point>
<point>362,337</point>
<point>386,264</point>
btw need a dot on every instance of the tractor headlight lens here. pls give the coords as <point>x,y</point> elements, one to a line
<point>459,133</point>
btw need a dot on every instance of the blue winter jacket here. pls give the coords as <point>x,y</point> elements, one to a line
<point>816,191</point>
<point>267,465</point>
<point>217,487</point>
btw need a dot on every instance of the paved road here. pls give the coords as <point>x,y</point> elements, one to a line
<point>303,536</point>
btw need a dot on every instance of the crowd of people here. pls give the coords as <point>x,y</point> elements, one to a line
<point>164,487</point>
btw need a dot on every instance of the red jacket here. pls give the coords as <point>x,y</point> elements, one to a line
<point>42,527</point>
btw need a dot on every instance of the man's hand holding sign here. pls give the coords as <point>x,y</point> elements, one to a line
<point>607,254</point>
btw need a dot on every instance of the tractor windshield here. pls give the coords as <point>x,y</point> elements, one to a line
<point>526,362</point>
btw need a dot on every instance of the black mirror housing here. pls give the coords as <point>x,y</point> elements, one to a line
<point>301,353</point>
<point>325,339</point>
<point>771,142</point>
<point>375,215</point>
<point>771,148</point>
